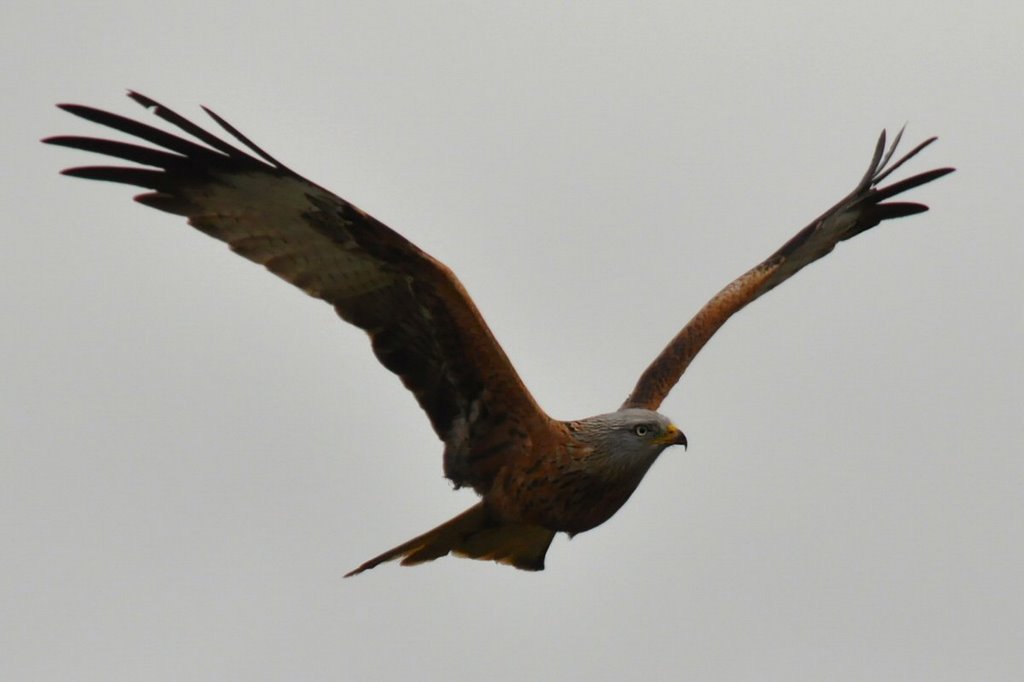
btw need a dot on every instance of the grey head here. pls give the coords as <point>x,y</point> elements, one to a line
<point>628,441</point>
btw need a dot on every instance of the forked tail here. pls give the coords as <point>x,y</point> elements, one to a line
<point>474,534</point>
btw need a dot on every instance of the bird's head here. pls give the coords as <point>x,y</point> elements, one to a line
<point>630,439</point>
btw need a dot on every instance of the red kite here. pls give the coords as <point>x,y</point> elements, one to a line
<point>537,476</point>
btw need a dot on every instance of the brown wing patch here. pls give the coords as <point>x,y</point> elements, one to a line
<point>662,375</point>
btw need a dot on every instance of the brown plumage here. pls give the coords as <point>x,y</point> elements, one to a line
<point>537,476</point>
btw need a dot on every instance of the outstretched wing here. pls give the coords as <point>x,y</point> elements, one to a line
<point>421,322</point>
<point>861,210</point>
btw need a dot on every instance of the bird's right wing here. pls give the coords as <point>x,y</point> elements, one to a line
<point>861,210</point>
<point>422,324</point>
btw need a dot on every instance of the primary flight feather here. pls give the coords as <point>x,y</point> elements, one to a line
<point>536,476</point>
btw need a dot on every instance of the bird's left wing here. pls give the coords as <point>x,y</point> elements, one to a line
<point>422,324</point>
<point>861,210</point>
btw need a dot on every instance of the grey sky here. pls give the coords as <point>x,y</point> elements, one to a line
<point>193,453</point>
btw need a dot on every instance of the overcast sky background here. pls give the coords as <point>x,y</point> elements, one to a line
<point>193,453</point>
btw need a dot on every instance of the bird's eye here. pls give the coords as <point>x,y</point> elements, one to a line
<point>641,430</point>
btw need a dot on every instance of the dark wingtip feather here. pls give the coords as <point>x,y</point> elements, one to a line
<point>147,102</point>
<point>876,156</point>
<point>179,121</point>
<point>243,139</point>
<point>892,148</point>
<point>909,183</point>
<point>76,109</point>
<point>142,131</point>
<point>168,203</point>
<point>900,209</point>
<point>140,177</point>
<point>884,172</point>
<point>119,150</point>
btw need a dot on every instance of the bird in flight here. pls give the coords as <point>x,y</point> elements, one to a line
<point>536,476</point>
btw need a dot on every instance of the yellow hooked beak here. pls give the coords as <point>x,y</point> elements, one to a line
<point>672,436</point>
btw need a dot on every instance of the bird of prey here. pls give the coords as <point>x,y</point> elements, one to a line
<point>536,476</point>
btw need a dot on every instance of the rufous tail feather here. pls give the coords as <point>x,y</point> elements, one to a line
<point>473,534</point>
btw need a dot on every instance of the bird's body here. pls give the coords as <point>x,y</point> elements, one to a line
<point>583,477</point>
<point>536,476</point>
<point>574,477</point>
